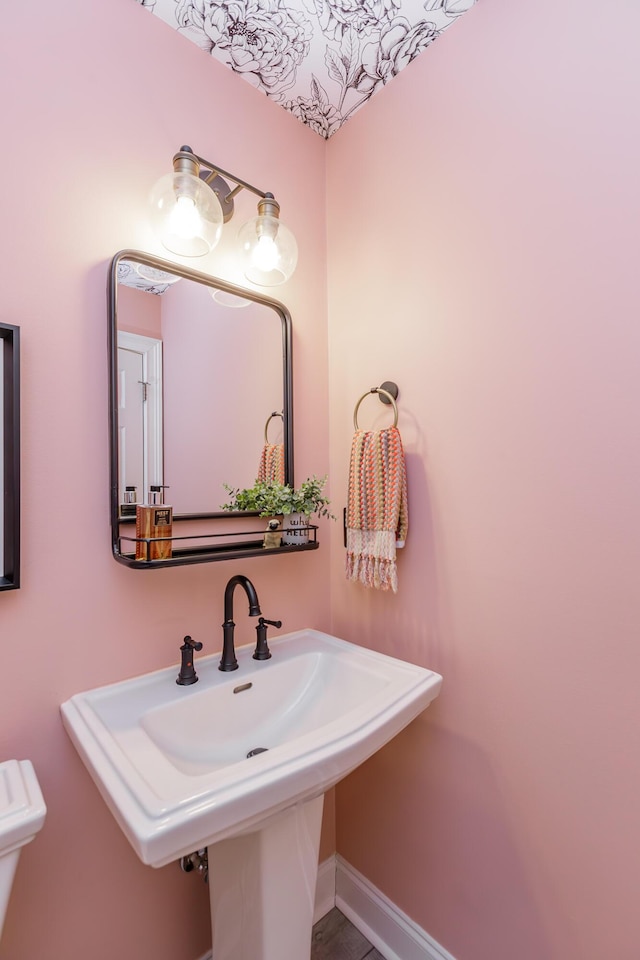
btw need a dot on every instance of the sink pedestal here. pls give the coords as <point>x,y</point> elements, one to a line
<point>262,887</point>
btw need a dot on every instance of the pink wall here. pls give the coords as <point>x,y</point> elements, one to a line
<point>499,288</point>
<point>503,300</point>
<point>142,311</point>
<point>91,118</point>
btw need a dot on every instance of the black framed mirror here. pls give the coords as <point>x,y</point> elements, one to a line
<point>200,375</point>
<point>10,425</point>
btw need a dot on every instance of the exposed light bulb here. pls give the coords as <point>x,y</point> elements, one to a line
<point>184,220</point>
<point>186,214</point>
<point>264,254</point>
<point>269,249</point>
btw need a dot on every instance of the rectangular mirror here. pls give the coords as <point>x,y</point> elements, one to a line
<point>10,428</point>
<point>200,390</point>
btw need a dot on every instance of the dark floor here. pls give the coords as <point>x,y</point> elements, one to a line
<point>334,938</point>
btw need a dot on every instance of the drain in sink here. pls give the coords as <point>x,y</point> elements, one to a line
<point>256,751</point>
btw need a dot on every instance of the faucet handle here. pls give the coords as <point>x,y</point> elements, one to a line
<point>262,651</point>
<point>191,644</point>
<point>187,673</point>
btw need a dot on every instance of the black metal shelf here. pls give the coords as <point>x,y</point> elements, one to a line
<point>209,552</point>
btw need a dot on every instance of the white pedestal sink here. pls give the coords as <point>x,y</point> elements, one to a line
<point>172,765</point>
<point>262,887</point>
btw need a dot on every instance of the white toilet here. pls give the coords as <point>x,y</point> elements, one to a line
<point>22,813</point>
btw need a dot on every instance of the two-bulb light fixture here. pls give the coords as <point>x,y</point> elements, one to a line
<point>190,205</point>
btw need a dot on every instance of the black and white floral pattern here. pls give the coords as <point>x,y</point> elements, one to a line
<point>264,41</point>
<point>320,59</point>
<point>141,277</point>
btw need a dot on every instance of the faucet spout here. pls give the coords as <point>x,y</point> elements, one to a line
<point>228,661</point>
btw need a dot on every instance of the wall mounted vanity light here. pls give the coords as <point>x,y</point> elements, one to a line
<point>190,205</point>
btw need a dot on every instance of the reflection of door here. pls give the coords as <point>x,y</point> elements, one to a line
<point>139,413</point>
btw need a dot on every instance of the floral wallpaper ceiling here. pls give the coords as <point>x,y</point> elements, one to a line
<point>320,59</point>
<point>141,277</point>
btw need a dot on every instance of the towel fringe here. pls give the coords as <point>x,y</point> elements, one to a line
<point>378,572</point>
<point>371,558</point>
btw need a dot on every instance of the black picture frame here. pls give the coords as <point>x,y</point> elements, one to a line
<point>10,422</point>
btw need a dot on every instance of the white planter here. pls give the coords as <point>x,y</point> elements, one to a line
<point>293,531</point>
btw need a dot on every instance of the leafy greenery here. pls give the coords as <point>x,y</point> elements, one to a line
<point>271,499</point>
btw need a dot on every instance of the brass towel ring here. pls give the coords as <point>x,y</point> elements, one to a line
<point>388,398</point>
<point>269,419</point>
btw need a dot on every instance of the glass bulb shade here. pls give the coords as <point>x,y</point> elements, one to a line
<point>232,300</point>
<point>269,251</point>
<point>154,275</point>
<point>186,215</point>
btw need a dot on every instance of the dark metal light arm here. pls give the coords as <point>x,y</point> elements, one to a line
<point>219,172</point>
<point>216,178</point>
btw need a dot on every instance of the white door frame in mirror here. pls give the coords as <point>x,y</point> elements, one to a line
<point>149,469</point>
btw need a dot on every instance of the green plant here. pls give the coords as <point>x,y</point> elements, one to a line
<point>271,499</point>
<point>309,498</point>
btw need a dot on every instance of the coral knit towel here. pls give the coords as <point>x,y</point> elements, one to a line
<point>377,513</point>
<point>271,467</point>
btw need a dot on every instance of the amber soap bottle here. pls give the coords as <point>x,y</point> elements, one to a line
<point>153,519</point>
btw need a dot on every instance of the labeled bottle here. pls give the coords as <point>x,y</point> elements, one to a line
<point>129,502</point>
<point>154,520</point>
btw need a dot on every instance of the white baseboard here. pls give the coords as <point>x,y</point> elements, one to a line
<point>325,888</point>
<point>390,930</point>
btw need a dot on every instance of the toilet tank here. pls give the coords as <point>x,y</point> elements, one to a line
<point>22,813</point>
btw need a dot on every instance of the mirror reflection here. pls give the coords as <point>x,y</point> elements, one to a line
<point>201,379</point>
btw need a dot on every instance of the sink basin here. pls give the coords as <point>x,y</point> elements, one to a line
<point>185,767</point>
